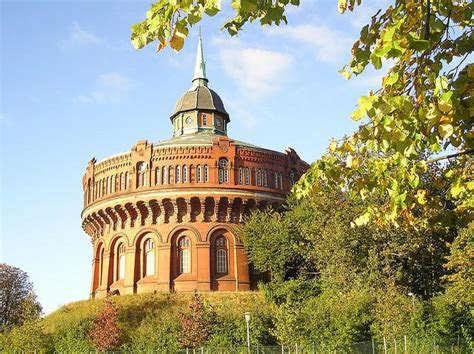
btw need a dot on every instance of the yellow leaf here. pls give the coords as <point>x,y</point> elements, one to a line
<point>177,42</point>
<point>341,6</point>
<point>333,146</point>
<point>456,190</point>
<point>470,185</point>
<point>421,196</point>
<point>445,130</point>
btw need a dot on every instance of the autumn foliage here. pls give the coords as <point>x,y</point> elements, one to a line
<point>195,324</point>
<point>105,333</point>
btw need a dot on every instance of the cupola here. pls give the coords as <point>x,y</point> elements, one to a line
<point>199,109</point>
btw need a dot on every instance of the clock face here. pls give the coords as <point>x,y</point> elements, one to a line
<point>188,120</point>
<point>218,122</point>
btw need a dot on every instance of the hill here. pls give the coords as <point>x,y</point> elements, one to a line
<point>153,321</point>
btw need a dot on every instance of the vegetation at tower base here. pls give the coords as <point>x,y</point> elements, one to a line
<point>424,107</point>
<point>149,322</point>
<point>338,284</point>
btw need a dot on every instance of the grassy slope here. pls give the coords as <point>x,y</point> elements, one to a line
<point>133,309</point>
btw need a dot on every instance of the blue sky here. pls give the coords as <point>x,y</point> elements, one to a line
<point>72,88</point>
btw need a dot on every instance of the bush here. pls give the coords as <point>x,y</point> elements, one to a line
<point>73,338</point>
<point>28,337</point>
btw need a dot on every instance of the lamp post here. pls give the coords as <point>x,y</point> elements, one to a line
<point>412,299</point>
<point>247,321</point>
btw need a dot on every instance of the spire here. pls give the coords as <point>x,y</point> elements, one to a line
<point>200,78</point>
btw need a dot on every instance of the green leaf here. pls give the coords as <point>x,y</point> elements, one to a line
<point>419,45</point>
<point>445,130</point>
<point>391,79</point>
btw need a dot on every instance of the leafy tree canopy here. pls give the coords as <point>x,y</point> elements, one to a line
<point>424,107</point>
<point>18,302</point>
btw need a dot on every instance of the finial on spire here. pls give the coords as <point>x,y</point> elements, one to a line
<point>200,78</point>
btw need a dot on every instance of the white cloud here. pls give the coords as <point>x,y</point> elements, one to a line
<point>257,72</point>
<point>329,45</point>
<point>78,37</point>
<point>110,88</point>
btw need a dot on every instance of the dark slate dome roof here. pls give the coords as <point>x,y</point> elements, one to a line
<point>200,97</point>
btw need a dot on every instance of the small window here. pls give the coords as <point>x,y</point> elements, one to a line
<point>247,175</point>
<point>121,261</point>
<point>241,177</point>
<point>177,175</point>
<point>198,174</point>
<point>265,179</point>
<point>292,178</point>
<point>141,174</point>
<point>221,255</point>
<point>259,177</point>
<point>223,171</point>
<point>164,175</point>
<point>157,175</point>
<point>185,174</point>
<point>275,180</point>
<point>204,119</point>
<point>206,173</point>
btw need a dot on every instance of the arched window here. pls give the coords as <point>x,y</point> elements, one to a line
<point>89,191</point>
<point>280,176</point>
<point>198,174</point>
<point>221,255</point>
<point>121,261</point>
<point>206,173</point>
<point>149,257</point>
<point>101,266</point>
<point>107,185</point>
<point>185,174</point>
<point>170,177</point>
<point>101,187</point>
<point>177,175</point>
<point>122,181</point>
<point>241,176</point>
<point>259,177</point>
<point>157,175</point>
<point>164,175</point>
<point>141,174</point>
<point>127,180</point>
<point>292,178</point>
<point>112,184</point>
<point>275,180</point>
<point>265,179</point>
<point>247,175</point>
<point>184,255</point>
<point>223,171</point>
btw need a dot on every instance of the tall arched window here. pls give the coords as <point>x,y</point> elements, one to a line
<point>122,181</point>
<point>247,175</point>
<point>241,176</point>
<point>157,175</point>
<point>149,258</point>
<point>170,177</point>
<point>121,261</point>
<point>280,177</point>
<point>275,180</point>
<point>185,174</point>
<point>141,174</point>
<point>164,175</point>
<point>177,174</point>
<point>259,177</point>
<point>198,174</point>
<point>184,255</point>
<point>292,178</point>
<point>107,185</point>
<point>221,255</point>
<point>112,184</point>
<point>101,187</point>
<point>265,179</point>
<point>206,173</point>
<point>101,266</point>
<point>127,180</point>
<point>223,171</point>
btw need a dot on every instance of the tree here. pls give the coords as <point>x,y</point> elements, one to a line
<point>195,324</point>
<point>18,302</point>
<point>105,333</point>
<point>423,108</point>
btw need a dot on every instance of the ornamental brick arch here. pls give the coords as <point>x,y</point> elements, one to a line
<point>146,265</point>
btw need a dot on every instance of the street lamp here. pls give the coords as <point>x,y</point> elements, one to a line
<point>412,299</point>
<point>247,321</point>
